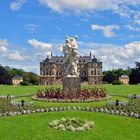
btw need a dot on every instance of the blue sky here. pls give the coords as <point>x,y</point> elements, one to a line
<point>31,29</point>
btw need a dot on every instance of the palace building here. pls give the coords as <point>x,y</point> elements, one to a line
<point>51,70</point>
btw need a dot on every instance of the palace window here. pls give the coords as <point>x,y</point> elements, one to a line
<point>46,72</point>
<point>57,73</point>
<point>50,73</point>
<point>95,72</point>
<point>60,73</point>
<point>41,72</point>
<point>85,73</point>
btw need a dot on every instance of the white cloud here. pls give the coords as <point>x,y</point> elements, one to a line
<point>16,5</point>
<point>137,21</point>
<point>133,28</point>
<point>120,7</point>
<point>3,50</point>
<point>113,55</point>
<point>9,54</point>
<point>3,42</point>
<point>44,49</point>
<point>31,27</point>
<point>3,47</point>
<point>38,44</point>
<point>15,55</point>
<point>121,55</point>
<point>107,30</point>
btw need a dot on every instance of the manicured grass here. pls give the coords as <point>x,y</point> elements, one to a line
<point>36,127</point>
<point>121,89</point>
<point>112,89</point>
<point>17,90</point>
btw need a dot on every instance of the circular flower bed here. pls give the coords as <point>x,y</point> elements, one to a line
<point>83,95</point>
<point>71,124</point>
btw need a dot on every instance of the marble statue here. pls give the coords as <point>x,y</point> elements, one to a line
<point>70,56</point>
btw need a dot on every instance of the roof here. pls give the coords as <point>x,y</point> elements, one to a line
<point>81,59</point>
<point>17,77</point>
<point>124,76</point>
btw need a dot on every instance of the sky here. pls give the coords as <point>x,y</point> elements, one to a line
<point>32,29</point>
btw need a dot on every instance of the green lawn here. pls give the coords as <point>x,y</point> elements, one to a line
<point>112,89</point>
<point>35,127</point>
<point>122,89</point>
<point>17,90</point>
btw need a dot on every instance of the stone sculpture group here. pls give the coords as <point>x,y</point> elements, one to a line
<point>71,79</point>
<point>70,57</point>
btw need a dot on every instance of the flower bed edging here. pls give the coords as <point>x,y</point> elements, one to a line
<point>68,108</point>
<point>70,101</point>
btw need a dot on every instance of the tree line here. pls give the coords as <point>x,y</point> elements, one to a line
<point>7,73</point>
<point>112,75</point>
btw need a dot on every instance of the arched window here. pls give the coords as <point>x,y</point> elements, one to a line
<point>92,72</point>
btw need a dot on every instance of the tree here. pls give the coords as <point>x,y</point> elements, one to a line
<point>5,77</point>
<point>15,72</point>
<point>28,77</point>
<point>109,77</point>
<point>112,75</point>
<point>135,74</point>
<point>137,64</point>
<point>31,78</point>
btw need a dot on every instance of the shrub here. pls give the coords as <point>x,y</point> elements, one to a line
<point>105,82</point>
<point>117,83</point>
<point>24,83</point>
<point>36,83</point>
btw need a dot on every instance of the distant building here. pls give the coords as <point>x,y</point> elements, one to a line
<point>17,79</point>
<point>124,79</point>
<point>51,70</point>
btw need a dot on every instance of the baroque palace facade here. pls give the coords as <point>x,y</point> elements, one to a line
<point>51,70</point>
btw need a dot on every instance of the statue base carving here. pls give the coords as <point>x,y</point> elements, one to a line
<point>71,86</point>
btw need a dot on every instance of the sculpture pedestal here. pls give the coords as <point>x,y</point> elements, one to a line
<point>71,86</point>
